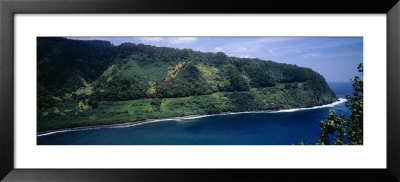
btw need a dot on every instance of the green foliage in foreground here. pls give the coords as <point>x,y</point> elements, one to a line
<point>340,130</point>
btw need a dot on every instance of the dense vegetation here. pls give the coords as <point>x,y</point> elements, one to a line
<point>340,130</point>
<point>83,83</point>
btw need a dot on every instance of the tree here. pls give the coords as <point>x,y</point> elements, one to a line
<point>340,130</point>
<point>237,81</point>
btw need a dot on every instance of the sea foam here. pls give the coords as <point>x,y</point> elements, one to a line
<point>341,100</point>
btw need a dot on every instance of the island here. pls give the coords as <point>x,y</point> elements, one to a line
<point>88,83</point>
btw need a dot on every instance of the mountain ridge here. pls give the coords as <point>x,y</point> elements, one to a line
<point>77,79</point>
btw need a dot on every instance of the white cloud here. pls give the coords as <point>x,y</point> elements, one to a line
<point>170,40</point>
<point>246,57</point>
<point>182,40</point>
<point>151,39</point>
<point>218,49</point>
<point>255,44</point>
<point>271,51</point>
<point>345,54</point>
<point>242,49</point>
<point>311,55</point>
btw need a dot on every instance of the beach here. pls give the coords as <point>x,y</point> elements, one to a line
<point>135,123</point>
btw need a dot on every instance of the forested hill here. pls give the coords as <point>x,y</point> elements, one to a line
<point>76,77</point>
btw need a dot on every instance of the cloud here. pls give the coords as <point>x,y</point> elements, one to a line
<point>246,56</point>
<point>218,49</point>
<point>169,40</point>
<point>270,51</point>
<point>334,55</point>
<point>312,55</point>
<point>309,46</point>
<point>345,54</point>
<point>182,40</point>
<point>150,39</point>
<point>242,49</point>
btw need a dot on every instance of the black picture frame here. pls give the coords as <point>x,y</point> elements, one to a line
<point>8,8</point>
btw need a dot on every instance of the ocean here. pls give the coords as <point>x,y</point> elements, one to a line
<point>249,128</point>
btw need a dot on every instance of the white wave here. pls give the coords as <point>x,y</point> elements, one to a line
<point>68,130</point>
<point>139,123</point>
<point>341,100</point>
<point>53,132</point>
<point>196,117</point>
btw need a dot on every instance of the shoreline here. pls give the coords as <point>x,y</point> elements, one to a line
<point>147,121</point>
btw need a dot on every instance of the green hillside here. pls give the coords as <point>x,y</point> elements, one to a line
<point>83,83</point>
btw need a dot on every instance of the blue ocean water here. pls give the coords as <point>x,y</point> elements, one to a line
<point>282,128</point>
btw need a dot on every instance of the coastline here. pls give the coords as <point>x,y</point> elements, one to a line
<point>147,121</point>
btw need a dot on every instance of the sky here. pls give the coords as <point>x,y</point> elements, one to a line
<point>335,58</point>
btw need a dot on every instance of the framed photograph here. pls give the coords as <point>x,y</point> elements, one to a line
<point>126,90</point>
